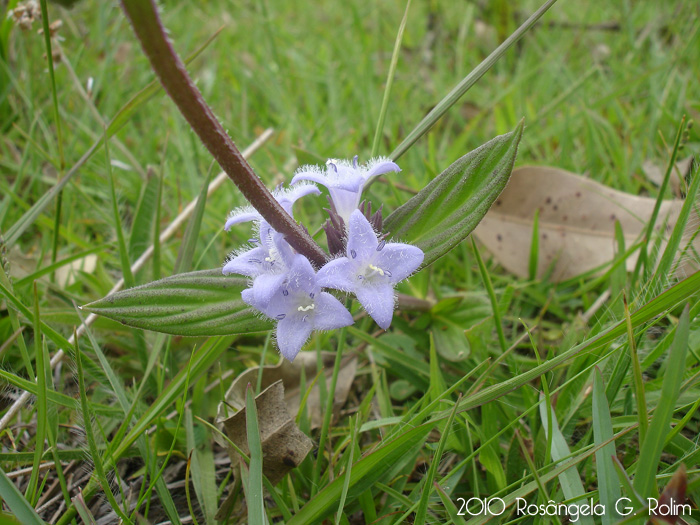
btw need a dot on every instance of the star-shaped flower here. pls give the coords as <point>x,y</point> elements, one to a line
<point>267,264</point>
<point>345,180</point>
<point>371,269</point>
<point>300,307</point>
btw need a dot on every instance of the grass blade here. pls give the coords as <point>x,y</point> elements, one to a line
<point>460,89</point>
<point>189,242</point>
<point>41,420</point>
<point>52,78</point>
<point>144,216</point>
<point>662,191</point>
<point>495,307</point>
<point>534,247</point>
<point>645,477</point>
<point>639,395</point>
<point>389,82</point>
<point>608,488</point>
<point>449,505</point>
<point>670,298</point>
<point>354,430</point>
<point>664,269</point>
<point>363,475</point>
<point>422,511</point>
<point>121,243</point>
<point>90,437</point>
<point>121,118</point>
<point>19,506</point>
<point>571,484</point>
<point>7,288</point>
<point>202,470</point>
<point>255,496</point>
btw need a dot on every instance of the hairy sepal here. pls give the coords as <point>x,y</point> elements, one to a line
<point>446,211</point>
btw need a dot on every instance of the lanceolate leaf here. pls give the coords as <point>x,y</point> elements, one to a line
<point>443,213</point>
<point>204,303</point>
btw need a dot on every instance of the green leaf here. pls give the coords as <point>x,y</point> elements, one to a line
<point>255,495</point>
<point>119,120</point>
<point>41,404</point>
<point>608,488</point>
<point>466,83</point>
<point>121,243</point>
<point>363,475</point>
<point>389,82</point>
<point>142,227</point>
<point>189,242</point>
<point>645,478</point>
<point>570,481</point>
<point>422,511</point>
<point>19,506</point>
<point>203,303</point>
<point>457,199</point>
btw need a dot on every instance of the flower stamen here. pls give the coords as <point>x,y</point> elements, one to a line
<point>376,269</point>
<point>306,308</point>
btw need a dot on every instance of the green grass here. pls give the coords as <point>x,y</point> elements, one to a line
<point>434,414</point>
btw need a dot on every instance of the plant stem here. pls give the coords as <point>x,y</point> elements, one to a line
<point>172,73</point>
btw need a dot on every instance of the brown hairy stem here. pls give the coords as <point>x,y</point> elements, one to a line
<point>171,71</point>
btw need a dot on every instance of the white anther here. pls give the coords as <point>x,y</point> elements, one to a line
<point>306,308</point>
<point>376,269</point>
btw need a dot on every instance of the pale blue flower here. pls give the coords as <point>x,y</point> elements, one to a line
<point>371,269</point>
<point>345,180</point>
<point>286,197</point>
<point>300,307</point>
<point>267,264</point>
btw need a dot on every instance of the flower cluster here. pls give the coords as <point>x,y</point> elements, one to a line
<point>284,285</point>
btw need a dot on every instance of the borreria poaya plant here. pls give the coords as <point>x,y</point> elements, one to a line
<point>283,279</point>
<point>285,286</point>
<point>286,270</point>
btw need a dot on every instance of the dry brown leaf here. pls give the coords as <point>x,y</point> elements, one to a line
<point>284,446</point>
<point>576,222</point>
<point>290,374</point>
<point>656,174</point>
<point>671,498</point>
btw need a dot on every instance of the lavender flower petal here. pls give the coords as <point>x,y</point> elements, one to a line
<point>266,285</point>
<point>362,239</point>
<point>378,301</point>
<point>299,306</point>
<point>288,197</point>
<point>331,313</point>
<point>345,180</point>
<point>248,263</point>
<point>402,259</point>
<point>371,269</point>
<point>243,215</point>
<point>291,336</point>
<point>379,167</point>
<point>337,274</point>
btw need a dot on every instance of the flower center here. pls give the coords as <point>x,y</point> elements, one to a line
<point>376,269</point>
<point>306,308</point>
<point>372,272</point>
